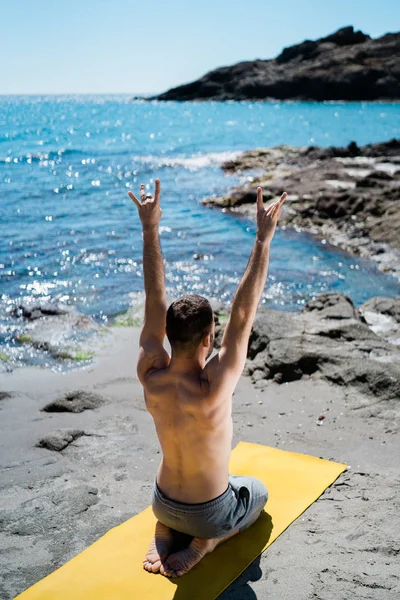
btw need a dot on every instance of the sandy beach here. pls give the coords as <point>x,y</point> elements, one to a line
<point>99,472</point>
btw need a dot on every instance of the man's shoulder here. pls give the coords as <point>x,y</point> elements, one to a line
<point>152,376</point>
<point>217,375</point>
<point>149,363</point>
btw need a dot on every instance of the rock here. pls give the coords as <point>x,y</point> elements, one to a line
<point>61,332</point>
<point>329,339</point>
<point>374,180</point>
<point>58,440</point>
<point>391,148</point>
<point>383,317</point>
<point>37,311</point>
<point>4,395</point>
<point>384,306</point>
<point>347,36</point>
<point>349,196</point>
<point>346,65</point>
<point>75,402</point>
<point>332,306</point>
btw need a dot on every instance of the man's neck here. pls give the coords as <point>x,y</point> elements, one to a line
<point>184,365</point>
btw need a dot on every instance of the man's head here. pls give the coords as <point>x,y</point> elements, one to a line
<point>190,326</point>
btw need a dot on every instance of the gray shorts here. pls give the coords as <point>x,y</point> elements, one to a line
<point>237,508</point>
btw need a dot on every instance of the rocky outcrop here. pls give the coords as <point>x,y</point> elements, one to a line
<point>53,330</point>
<point>349,196</point>
<point>331,339</point>
<point>347,65</point>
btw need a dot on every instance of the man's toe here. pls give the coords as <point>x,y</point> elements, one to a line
<point>155,567</point>
<point>167,571</point>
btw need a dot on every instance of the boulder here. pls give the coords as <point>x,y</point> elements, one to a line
<point>383,317</point>
<point>328,339</point>
<point>384,306</point>
<point>332,306</point>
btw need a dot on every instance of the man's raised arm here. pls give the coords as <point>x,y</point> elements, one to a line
<point>227,366</point>
<point>152,354</point>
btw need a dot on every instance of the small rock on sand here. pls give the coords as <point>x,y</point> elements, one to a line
<point>75,402</point>
<point>58,440</point>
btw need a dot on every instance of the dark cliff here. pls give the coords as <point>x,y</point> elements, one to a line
<point>347,65</point>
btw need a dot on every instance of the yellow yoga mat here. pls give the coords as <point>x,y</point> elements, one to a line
<point>111,568</point>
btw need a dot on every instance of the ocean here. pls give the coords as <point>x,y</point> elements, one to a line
<point>70,233</point>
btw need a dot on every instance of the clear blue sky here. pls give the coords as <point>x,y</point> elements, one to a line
<point>118,46</point>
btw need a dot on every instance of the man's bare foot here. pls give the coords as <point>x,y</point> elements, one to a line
<point>160,548</point>
<point>179,563</point>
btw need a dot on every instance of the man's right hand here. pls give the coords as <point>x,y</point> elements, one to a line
<point>148,207</point>
<point>267,218</point>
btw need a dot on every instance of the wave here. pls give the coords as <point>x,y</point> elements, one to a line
<point>192,163</point>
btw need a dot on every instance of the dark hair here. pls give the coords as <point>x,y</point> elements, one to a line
<point>189,319</point>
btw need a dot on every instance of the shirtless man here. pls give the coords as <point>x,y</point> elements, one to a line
<point>190,400</point>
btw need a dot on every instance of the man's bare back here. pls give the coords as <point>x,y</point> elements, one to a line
<point>194,427</point>
<point>190,399</point>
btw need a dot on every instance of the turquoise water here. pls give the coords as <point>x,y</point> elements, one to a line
<point>70,233</point>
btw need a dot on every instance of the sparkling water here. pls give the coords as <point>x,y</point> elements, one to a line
<point>70,232</point>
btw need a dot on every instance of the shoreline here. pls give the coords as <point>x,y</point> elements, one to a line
<point>60,339</point>
<point>346,196</point>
